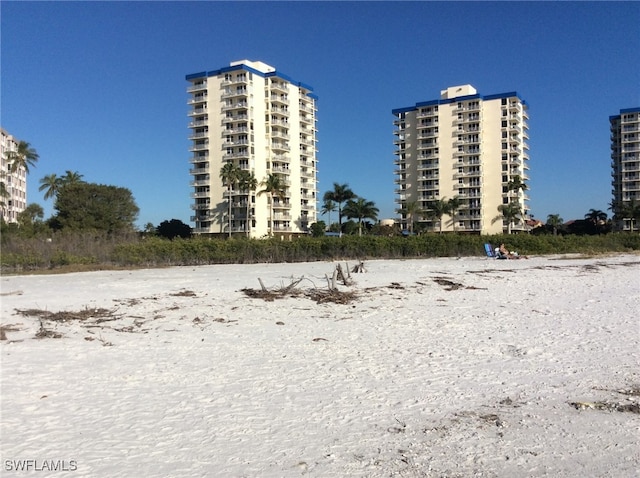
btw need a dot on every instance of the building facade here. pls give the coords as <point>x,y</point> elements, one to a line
<point>625,164</point>
<point>263,122</point>
<point>14,199</point>
<point>465,146</point>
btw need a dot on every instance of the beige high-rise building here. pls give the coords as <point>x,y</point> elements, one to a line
<point>465,146</point>
<point>15,183</point>
<point>625,164</point>
<point>263,122</point>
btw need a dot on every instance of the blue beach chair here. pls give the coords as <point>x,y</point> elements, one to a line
<point>493,253</point>
<point>488,248</point>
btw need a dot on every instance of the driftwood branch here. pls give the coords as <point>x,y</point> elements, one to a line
<point>264,289</point>
<point>332,294</point>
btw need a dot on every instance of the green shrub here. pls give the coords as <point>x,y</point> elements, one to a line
<point>64,250</point>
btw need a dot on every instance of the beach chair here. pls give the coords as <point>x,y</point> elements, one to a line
<point>493,253</point>
<point>488,248</point>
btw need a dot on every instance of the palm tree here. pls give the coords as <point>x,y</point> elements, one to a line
<point>596,217</point>
<point>275,187</point>
<point>555,221</point>
<point>229,175</point>
<point>411,209</point>
<point>453,205</point>
<point>247,182</point>
<point>626,210</point>
<point>23,157</point>
<point>71,177</point>
<point>4,193</point>
<point>631,210</point>
<point>516,184</point>
<point>509,212</point>
<point>328,206</point>
<point>362,209</point>
<point>50,184</point>
<point>437,209</point>
<point>340,194</point>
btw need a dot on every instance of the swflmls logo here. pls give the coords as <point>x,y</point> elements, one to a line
<point>40,465</point>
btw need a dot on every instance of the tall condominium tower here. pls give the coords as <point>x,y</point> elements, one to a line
<point>15,182</point>
<point>262,122</point>
<point>625,156</point>
<point>465,146</point>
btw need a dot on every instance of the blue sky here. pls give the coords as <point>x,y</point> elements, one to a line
<point>99,87</point>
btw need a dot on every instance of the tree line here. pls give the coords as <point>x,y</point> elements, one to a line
<point>81,205</point>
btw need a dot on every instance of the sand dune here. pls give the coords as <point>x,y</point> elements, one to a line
<point>442,367</point>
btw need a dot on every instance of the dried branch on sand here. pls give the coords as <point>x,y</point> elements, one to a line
<point>331,294</point>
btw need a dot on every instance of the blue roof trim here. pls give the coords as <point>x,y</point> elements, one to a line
<point>446,101</point>
<point>398,111</point>
<point>227,69</point>
<point>422,104</point>
<point>194,76</point>
<point>624,111</point>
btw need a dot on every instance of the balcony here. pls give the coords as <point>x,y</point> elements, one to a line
<point>307,109</point>
<point>278,146</point>
<point>280,99</point>
<point>240,130</point>
<point>234,118</point>
<point>279,86</point>
<point>200,194</point>
<point>235,81</point>
<point>429,155</point>
<point>198,123</point>
<point>428,167</point>
<point>202,85</point>
<point>199,135</point>
<point>241,105</point>
<point>234,94</point>
<point>197,99</point>
<point>280,169</point>
<point>630,186</point>
<point>240,142</point>
<point>199,147</point>
<point>281,205</point>
<point>431,114</point>
<point>198,111</point>
<point>280,134</point>
<point>236,155</point>
<point>280,158</point>
<point>200,170</point>
<point>282,112</point>
<point>200,182</point>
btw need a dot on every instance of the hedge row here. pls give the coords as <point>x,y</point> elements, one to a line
<point>157,252</point>
<point>102,251</point>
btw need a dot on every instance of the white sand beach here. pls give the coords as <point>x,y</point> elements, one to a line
<point>450,367</point>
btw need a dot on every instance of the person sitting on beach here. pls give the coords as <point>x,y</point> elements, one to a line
<point>503,253</point>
